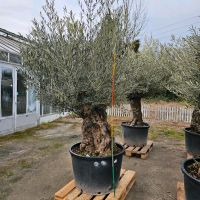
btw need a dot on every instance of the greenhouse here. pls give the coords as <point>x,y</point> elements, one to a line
<point>19,108</point>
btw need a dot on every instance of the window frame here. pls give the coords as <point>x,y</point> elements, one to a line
<point>27,96</point>
<point>14,93</point>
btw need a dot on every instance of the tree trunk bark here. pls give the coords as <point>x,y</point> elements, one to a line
<point>136,111</point>
<point>96,131</point>
<point>195,122</point>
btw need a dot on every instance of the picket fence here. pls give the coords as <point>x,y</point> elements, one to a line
<point>158,113</point>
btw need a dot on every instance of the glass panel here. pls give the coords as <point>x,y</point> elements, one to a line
<point>31,100</point>
<point>6,92</point>
<point>21,94</point>
<point>4,56</point>
<point>15,58</point>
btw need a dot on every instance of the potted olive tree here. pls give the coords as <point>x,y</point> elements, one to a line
<point>69,61</point>
<point>182,59</point>
<point>144,77</point>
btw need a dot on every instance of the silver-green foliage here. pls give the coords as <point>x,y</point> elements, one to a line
<point>182,61</point>
<point>143,73</point>
<point>69,60</point>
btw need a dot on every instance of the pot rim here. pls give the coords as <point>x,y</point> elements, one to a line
<point>96,157</point>
<point>184,171</point>
<point>146,125</point>
<point>188,129</point>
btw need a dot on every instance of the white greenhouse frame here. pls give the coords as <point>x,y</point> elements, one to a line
<point>9,124</point>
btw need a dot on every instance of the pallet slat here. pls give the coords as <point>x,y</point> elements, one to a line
<point>101,197</point>
<point>180,191</point>
<point>65,190</point>
<point>141,152</point>
<point>146,148</point>
<point>128,177</point>
<point>84,196</point>
<point>73,194</point>
<point>190,155</point>
<point>129,151</point>
<point>70,192</point>
<point>136,150</point>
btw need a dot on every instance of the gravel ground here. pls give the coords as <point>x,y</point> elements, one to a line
<point>35,167</point>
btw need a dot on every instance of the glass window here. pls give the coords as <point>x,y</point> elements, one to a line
<point>6,92</point>
<point>31,100</point>
<point>14,58</point>
<point>21,94</point>
<point>4,56</point>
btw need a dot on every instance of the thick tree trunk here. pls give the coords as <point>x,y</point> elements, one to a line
<point>96,131</point>
<point>136,108</point>
<point>195,122</point>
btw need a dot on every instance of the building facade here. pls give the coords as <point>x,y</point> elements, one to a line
<point>19,108</point>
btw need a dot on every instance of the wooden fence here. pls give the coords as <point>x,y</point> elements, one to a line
<point>157,113</point>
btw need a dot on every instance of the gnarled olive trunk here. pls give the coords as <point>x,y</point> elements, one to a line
<point>195,122</point>
<point>135,103</point>
<point>96,131</point>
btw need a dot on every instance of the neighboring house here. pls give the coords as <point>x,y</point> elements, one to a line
<point>19,108</point>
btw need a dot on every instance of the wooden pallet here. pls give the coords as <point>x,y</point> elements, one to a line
<point>190,155</point>
<point>180,191</point>
<point>71,192</point>
<point>141,152</point>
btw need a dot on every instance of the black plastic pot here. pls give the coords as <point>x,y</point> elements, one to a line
<point>94,174</point>
<point>192,185</point>
<point>192,142</point>
<point>135,135</point>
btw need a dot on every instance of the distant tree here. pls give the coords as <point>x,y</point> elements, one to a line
<point>182,59</point>
<point>70,62</point>
<point>143,74</point>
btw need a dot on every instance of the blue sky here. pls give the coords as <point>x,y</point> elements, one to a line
<point>164,17</point>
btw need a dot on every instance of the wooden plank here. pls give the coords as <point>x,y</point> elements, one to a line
<point>146,148</point>
<point>57,198</point>
<point>123,184</point>
<point>70,192</point>
<point>189,155</point>
<point>129,150</point>
<point>65,190</point>
<point>125,146</point>
<point>101,197</point>
<point>122,172</point>
<point>144,156</point>
<point>128,189</point>
<point>84,196</point>
<point>180,191</point>
<point>136,150</point>
<point>73,194</point>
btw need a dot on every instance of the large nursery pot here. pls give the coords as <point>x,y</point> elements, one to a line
<point>94,174</point>
<point>192,141</point>
<point>135,135</point>
<point>192,185</point>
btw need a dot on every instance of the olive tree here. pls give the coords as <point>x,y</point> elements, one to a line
<point>69,60</point>
<point>182,60</point>
<point>143,74</point>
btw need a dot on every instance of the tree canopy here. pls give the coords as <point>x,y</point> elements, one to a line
<point>143,73</point>
<point>69,60</point>
<point>182,60</point>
